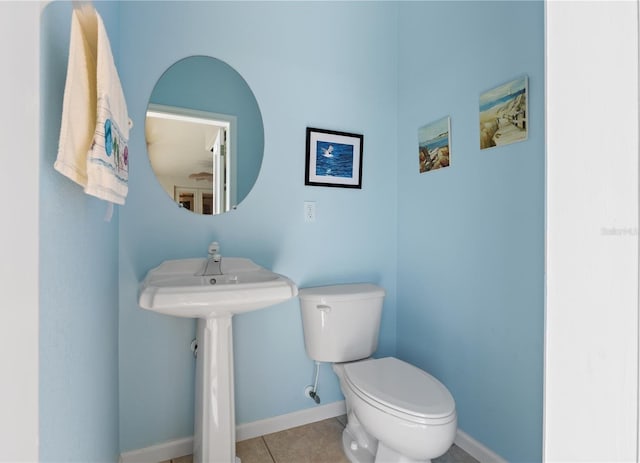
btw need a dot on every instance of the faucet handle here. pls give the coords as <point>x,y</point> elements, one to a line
<point>214,249</point>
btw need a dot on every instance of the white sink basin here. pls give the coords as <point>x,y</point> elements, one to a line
<point>179,288</point>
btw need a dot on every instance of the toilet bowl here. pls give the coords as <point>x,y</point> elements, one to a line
<point>409,412</point>
<point>396,412</point>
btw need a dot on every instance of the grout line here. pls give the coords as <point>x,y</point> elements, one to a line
<point>268,449</point>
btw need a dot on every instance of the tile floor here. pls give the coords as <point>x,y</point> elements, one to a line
<point>319,442</point>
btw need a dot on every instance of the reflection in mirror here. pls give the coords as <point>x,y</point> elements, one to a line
<point>204,135</point>
<point>193,156</point>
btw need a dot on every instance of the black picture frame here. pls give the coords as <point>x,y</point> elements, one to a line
<point>333,158</point>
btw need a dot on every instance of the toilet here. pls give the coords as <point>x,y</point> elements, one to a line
<point>396,412</point>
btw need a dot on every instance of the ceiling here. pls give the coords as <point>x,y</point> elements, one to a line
<point>178,147</point>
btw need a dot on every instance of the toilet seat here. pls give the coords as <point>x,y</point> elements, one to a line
<point>402,390</point>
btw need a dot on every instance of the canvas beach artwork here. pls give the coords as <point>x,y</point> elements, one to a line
<point>333,158</point>
<point>504,113</point>
<point>434,145</point>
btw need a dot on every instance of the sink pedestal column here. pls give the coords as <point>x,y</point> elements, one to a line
<point>215,421</point>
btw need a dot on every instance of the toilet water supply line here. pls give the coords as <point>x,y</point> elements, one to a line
<point>313,393</point>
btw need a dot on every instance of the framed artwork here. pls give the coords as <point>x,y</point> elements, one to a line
<point>333,159</point>
<point>434,145</point>
<point>503,114</point>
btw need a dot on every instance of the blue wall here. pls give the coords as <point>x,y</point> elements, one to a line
<point>306,65</point>
<point>78,349</point>
<point>470,237</point>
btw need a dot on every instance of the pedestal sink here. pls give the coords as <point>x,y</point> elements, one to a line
<point>188,288</point>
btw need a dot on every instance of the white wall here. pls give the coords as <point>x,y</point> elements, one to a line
<point>591,340</point>
<point>19,23</point>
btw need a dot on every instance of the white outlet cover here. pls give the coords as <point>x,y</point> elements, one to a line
<point>309,211</point>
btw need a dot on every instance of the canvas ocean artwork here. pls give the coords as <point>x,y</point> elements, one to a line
<point>434,145</point>
<point>504,113</point>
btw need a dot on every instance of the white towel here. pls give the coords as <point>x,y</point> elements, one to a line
<point>95,125</point>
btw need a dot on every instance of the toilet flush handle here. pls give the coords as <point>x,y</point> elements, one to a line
<point>323,308</point>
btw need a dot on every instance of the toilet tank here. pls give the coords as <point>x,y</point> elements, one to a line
<point>341,322</point>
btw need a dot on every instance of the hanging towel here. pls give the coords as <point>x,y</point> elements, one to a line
<point>94,132</point>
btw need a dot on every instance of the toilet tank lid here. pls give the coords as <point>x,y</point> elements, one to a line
<point>344,292</point>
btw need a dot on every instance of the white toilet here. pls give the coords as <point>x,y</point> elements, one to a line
<point>396,413</point>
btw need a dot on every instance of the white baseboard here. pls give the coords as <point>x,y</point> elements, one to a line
<point>476,449</point>
<point>159,452</point>
<point>290,420</point>
<point>180,447</point>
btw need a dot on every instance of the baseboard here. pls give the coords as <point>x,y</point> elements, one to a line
<point>160,452</point>
<point>476,449</point>
<point>290,420</point>
<point>180,447</point>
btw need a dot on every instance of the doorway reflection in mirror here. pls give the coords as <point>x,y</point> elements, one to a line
<point>193,157</point>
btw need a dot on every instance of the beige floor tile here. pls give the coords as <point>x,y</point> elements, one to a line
<point>319,442</point>
<point>253,451</point>
<point>313,443</point>
<point>185,459</point>
<point>455,455</point>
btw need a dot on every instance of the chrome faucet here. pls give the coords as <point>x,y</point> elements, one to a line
<point>213,266</point>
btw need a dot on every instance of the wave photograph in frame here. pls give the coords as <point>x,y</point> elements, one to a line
<point>333,158</point>
<point>503,114</point>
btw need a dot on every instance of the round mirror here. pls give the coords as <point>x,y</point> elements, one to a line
<point>204,135</point>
